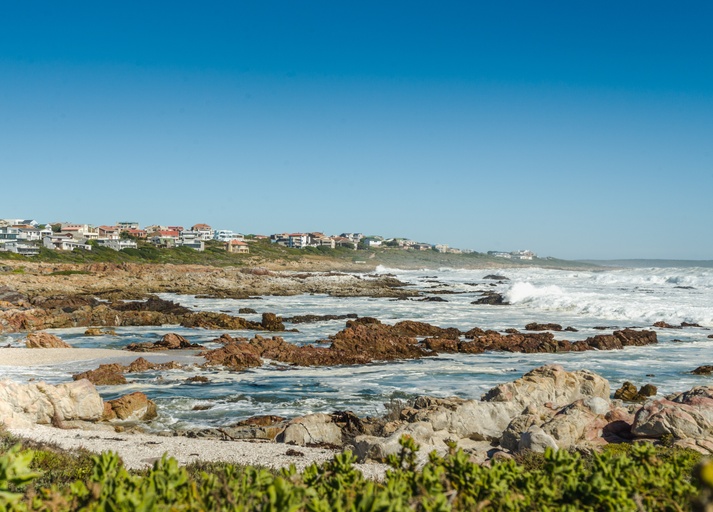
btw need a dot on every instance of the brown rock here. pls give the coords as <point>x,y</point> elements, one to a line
<point>543,327</point>
<point>173,341</point>
<point>703,370</point>
<point>135,406</point>
<point>105,375</point>
<point>664,325</point>
<point>271,322</point>
<point>45,340</point>
<point>628,392</point>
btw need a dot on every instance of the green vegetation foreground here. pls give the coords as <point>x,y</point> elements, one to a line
<point>621,478</point>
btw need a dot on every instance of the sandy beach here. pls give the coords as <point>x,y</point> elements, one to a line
<point>141,450</point>
<point>48,356</point>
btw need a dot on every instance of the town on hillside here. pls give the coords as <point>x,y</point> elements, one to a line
<point>27,236</point>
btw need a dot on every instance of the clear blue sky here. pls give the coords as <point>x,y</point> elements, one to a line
<point>573,129</point>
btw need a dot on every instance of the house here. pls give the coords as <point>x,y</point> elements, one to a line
<point>372,241</point>
<point>354,237</point>
<point>156,227</point>
<point>20,247</point>
<point>204,230</point>
<point>127,225</point>
<point>297,240</point>
<point>500,254</point>
<point>320,240</point>
<point>442,248</point>
<point>118,244</point>
<point>138,233</point>
<point>80,231</point>
<point>64,242</point>
<point>421,247</point>
<point>280,239</point>
<point>237,246</point>
<point>191,239</point>
<point>341,241</point>
<point>109,232</point>
<point>9,233</point>
<point>165,239</point>
<point>226,235</point>
<point>523,255</point>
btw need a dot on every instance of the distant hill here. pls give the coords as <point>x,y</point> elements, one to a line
<point>651,263</point>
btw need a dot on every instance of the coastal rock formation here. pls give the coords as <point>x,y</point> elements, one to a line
<point>271,322</point>
<point>311,430</point>
<point>491,298</point>
<point>133,407</point>
<point>23,405</point>
<point>45,340</point>
<point>534,326</point>
<point>684,415</point>
<point>703,370</point>
<point>169,341</point>
<point>628,393</point>
<point>105,375</point>
<point>113,374</point>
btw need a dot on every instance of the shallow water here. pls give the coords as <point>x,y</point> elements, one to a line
<point>581,299</point>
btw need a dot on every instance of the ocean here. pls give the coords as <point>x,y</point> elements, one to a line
<point>582,299</point>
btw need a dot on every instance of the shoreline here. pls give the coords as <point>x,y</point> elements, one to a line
<point>26,357</point>
<point>140,451</point>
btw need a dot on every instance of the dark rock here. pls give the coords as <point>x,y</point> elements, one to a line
<point>543,327</point>
<point>491,298</point>
<point>153,303</point>
<point>209,320</point>
<point>686,324</point>
<point>496,277</point>
<point>199,379</point>
<point>628,393</point>
<point>571,329</point>
<point>703,370</point>
<point>303,319</point>
<point>260,421</point>
<point>432,299</point>
<point>271,322</point>
<point>13,297</point>
<point>246,311</point>
<point>664,325</point>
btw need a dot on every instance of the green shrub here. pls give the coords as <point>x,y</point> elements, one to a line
<point>638,477</point>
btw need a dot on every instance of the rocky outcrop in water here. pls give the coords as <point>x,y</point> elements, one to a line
<point>170,341</point>
<point>45,340</point>
<point>113,374</point>
<point>132,407</point>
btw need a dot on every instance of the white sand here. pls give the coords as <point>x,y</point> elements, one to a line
<point>141,450</point>
<point>47,356</point>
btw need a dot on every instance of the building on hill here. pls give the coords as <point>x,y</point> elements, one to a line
<point>109,232</point>
<point>65,242</point>
<point>126,225</point>
<point>117,244</point>
<point>204,230</point>
<point>226,235</point>
<point>138,233</point>
<point>237,246</point>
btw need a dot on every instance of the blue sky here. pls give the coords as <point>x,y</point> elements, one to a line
<point>573,129</point>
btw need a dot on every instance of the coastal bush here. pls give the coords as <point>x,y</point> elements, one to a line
<point>638,477</point>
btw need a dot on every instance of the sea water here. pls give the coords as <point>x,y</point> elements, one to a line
<point>584,300</point>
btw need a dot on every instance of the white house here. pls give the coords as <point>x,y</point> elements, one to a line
<point>226,235</point>
<point>192,239</point>
<point>20,247</point>
<point>297,240</point>
<point>117,244</point>
<point>64,243</point>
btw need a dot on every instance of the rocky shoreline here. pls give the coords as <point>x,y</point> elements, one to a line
<point>548,407</point>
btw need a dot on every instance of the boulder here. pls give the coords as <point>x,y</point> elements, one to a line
<point>579,423</point>
<point>45,340</point>
<point>23,405</point>
<point>313,429</point>
<point>491,298</point>
<point>536,440</point>
<point>96,331</point>
<point>172,341</point>
<point>105,375</point>
<point>688,414</point>
<point>272,322</point>
<point>133,407</point>
<point>550,384</point>
<point>628,392</point>
<point>534,326</point>
<point>703,370</point>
